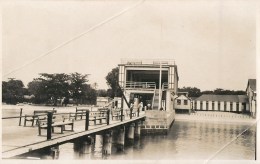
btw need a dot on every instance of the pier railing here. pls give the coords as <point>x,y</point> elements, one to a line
<point>85,114</point>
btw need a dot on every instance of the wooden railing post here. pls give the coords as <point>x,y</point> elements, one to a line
<point>131,113</point>
<point>21,112</point>
<point>87,120</point>
<point>49,122</point>
<point>138,111</point>
<point>108,113</point>
<point>121,114</point>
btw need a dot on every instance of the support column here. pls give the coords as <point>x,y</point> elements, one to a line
<point>98,148</point>
<point>121,139</point>
<point>55,152</point>
<point>107,143</point>
<point>130,134</point>
<point>137,129</point>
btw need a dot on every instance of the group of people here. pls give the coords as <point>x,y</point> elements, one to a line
<point>136,107</point>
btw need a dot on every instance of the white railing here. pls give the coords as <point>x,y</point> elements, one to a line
<point>165,86</point>
<point>148,61</point>
<point>143,85</point>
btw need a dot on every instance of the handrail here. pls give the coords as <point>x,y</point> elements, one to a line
<point>165,86</point>
<point>29,115</point>
<point>143,85</point>
<point>148,61</point>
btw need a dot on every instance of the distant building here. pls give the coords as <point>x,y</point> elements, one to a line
<point>103,101</point>
<point>224,103</point>
<point>251,93</point>
<point>183,103</point>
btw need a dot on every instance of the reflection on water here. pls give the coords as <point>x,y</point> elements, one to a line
<point>185,140</point>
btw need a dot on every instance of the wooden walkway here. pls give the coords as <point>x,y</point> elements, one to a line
<point>17,140</point>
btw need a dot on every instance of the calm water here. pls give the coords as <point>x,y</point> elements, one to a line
<point>190,139</point>
<point>186,140</point>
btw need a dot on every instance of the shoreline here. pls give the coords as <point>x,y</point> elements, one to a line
<point>186,117</point>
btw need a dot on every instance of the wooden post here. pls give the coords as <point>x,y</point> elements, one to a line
<point>50,114</point>
<point>131,113</point>
<point>108,113</point>
<point>87,120</point>
<point>138,111</point>
<point>121,114</point>
<point>21,112</point>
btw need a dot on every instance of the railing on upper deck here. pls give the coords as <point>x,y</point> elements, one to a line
<point>165,86</point>
<point>143,85</point>
<point>148,61</point>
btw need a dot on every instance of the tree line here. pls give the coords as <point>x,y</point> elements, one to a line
<point>196,92</point>
<point>60,88</point>
<point>50,89</point>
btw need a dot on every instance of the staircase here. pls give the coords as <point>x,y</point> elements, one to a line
<point>156,100</point>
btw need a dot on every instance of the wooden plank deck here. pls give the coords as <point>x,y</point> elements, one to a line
<point>18,140</point>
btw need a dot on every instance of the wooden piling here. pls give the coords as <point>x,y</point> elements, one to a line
<point>137,129</point>
<point>107,143</point>
<point>131,129</point>
<point>55,152</point>
<point>98,146</point>
<point>121,139</point>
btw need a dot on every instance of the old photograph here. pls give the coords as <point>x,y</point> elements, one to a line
<point>132,80</point>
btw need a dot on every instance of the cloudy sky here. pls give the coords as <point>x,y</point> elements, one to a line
<point>212,42</point>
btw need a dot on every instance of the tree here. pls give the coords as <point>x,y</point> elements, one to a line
<point>95,85</point>
<point>219,91</point>
<point>102,93</point>
<point>36,88</point>
<point>77,88</point>
<point>112,81</point>
<point>192,91</point>
<point>56,86</point>
<point>207,92</point>
<point>91,96</point>
<point>12,91</point>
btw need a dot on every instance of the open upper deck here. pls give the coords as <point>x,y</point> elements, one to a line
<point>148,74</point>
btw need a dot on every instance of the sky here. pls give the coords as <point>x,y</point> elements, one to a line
<point>212,42</point>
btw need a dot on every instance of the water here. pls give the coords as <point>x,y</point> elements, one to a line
<point>187,139</point>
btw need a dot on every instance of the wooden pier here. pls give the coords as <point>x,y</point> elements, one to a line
<point>18,140</point>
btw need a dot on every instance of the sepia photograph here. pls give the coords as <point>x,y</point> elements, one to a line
<point>131,80</point>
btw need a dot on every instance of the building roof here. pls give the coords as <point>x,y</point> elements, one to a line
<point>252,84</point>
<point>183,97</point>
<point>227,98</point>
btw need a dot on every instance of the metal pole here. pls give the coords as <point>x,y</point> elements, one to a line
<point>49,125</point>
<point>160,87</point>
<point>21,112</point>
<point>87,120</point>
